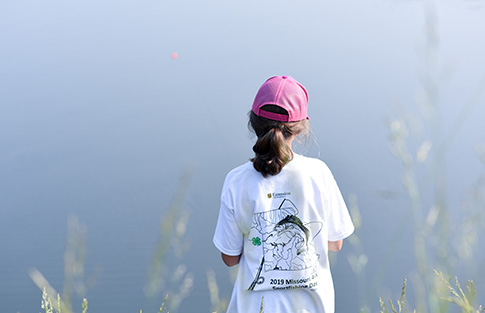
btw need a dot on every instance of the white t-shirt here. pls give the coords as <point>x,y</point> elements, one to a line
<point>282,224</point>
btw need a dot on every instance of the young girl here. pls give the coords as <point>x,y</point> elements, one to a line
<point>281,212</point>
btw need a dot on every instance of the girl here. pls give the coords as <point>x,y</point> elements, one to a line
<point>281,212</point>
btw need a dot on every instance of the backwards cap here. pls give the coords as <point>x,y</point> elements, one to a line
<point>285,92</point>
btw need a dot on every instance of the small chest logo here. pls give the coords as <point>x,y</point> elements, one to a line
<point>277,195</point>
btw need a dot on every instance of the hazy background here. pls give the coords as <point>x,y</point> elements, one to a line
<point>98,121</point>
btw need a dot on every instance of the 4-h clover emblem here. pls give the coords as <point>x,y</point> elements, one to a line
<point>256,241</point>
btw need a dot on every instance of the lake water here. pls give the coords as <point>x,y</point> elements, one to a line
<point>98,121</point>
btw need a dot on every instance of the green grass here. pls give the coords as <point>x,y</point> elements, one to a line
<point>451,293</point>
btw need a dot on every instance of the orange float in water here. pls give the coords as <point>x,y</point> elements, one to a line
<point>175,55</point>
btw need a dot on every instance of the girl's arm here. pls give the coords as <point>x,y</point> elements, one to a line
<point>335,245</point>
<point>230,260</point>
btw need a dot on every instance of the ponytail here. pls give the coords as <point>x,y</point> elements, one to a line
<point>272,152</point>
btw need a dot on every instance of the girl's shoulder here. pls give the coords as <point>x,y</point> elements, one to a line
<point>310,164</point>
<point>241,169</point>
<point>244,170</point>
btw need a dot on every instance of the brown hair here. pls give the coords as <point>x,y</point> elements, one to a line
<point>272,152</point>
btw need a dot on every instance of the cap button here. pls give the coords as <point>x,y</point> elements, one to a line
<point>284,77</point>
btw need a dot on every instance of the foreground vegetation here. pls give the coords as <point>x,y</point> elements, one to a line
<point>453,293</point>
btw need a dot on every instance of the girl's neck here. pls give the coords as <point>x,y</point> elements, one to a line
<point>289,142</point>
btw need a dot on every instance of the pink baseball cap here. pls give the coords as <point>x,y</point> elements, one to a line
<point>285,92</point>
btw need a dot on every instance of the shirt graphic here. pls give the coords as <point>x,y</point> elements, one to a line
<point>286,241</point>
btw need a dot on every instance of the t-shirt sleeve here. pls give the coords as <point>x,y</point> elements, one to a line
<point>340,224</point>
<point>228,238</point>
